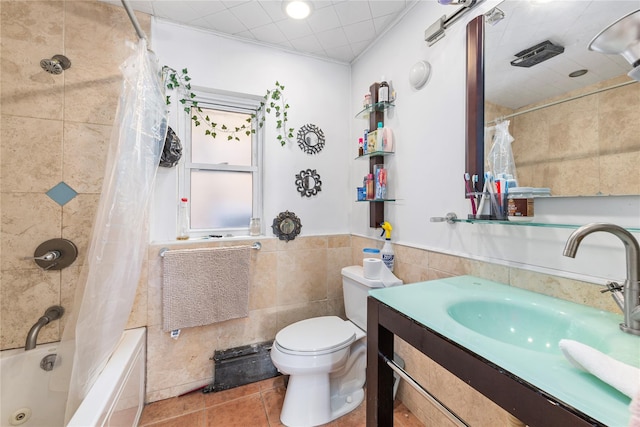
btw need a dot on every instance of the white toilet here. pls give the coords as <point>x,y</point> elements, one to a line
<point>325,357</point>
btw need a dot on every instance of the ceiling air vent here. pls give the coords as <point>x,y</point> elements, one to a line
<point>536,54</point>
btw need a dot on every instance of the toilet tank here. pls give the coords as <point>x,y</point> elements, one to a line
<point>355,288</point>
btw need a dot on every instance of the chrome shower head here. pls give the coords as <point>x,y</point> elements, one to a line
<point>56,65</point>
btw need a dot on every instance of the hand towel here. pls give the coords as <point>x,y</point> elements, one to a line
<point>625,378</point>
<point>204,286</point>
<point>634,408</point>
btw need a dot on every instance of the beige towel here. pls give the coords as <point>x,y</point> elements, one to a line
<point>204,286</point>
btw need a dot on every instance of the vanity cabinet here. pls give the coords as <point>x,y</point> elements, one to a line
<point>526,402</point>
<point>375,113</point>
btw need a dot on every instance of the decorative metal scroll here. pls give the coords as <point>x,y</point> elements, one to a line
<point>286,226</point>
<point>310,139</point>
<point>308,183</point>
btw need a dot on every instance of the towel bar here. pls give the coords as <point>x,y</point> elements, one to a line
<point>424,392</point>
<point>256,245</point>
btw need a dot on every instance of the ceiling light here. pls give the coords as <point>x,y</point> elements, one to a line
<point>297,9</point>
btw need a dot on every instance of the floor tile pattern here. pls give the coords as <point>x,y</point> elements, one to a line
<point>256,405</point>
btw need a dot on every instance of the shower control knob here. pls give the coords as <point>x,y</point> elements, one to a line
<point>55,254</point>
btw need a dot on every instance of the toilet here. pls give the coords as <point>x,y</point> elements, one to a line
<point>326,357</point>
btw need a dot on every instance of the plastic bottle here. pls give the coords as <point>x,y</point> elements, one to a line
<point>386,253</point>
<point>370,188</point>
<point>364,148</point>
<point>383,92</point>
<point>360,147</point>
<point>183,219</point>
<point>379,137</point>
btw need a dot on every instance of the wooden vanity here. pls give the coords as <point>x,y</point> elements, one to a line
<point>523,400</point>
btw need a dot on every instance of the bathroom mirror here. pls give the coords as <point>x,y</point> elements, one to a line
<point>310,139</point>
<point>555,146</point>
<point>286,226</point>
<point>308,183</point>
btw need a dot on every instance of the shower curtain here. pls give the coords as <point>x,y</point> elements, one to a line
<point>107,285</point>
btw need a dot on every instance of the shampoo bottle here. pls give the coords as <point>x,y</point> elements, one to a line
<point>386,253</point>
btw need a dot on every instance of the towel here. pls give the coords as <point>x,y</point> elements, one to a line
<point>625,378</point>
<point>634,408</point>
<point>204,286</point>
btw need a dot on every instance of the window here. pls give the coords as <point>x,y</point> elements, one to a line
<point>222,175</point>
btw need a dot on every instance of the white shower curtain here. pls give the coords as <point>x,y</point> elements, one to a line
<point>110,274</point>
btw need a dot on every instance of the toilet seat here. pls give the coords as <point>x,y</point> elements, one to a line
<point>316,336</point>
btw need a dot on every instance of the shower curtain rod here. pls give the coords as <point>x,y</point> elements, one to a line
<point>134,20</point>
<point>551,104</point>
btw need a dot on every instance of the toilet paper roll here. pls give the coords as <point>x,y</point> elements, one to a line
<point>371,268</point>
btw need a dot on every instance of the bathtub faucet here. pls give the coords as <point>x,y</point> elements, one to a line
<point>630,301</point>
<point>54,312</point>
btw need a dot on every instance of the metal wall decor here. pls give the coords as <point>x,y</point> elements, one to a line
<point>310,139</point>
<point>286,226</point>
<point>308,183</point>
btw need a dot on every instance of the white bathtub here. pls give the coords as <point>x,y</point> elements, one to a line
<point>116,398</point>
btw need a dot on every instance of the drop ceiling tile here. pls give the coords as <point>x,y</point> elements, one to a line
<point>224,22</point>
<point>294,29</point>
<point>175,10</point>
<point>205,8</point>
<point>324,19</point>
<point>307,44</point>
<point>382,23</point>
<point>359,47</point>
<point>342,53</point>
<point>332,38</point>
<point>251,14</point>
<point>353,11</point>
<point>389,7</point>
<point>274,10</point>
<point>360,31</point>
<point>269,33</point>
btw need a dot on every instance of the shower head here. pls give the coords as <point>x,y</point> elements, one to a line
<point>56,65</point>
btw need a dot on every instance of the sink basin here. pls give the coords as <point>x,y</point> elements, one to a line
<point>529,326</point>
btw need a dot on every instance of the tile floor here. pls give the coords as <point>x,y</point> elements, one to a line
<point>255,405</point>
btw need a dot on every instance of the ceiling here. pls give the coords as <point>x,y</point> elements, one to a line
<point>571,24</point>
<point>340,29</point>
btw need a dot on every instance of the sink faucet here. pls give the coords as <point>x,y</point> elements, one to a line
<point>52,313</point>
<point>631,287</point>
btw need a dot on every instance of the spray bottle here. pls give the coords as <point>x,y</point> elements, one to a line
<point>387,251</point>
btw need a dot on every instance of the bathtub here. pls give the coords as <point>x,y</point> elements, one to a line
<point>116,398</point>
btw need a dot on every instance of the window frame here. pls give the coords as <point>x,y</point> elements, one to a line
<point>232,102</point>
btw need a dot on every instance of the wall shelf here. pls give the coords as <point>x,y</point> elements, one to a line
<point>375,153</point>
<point>378,106</point>
<point>452,218</point>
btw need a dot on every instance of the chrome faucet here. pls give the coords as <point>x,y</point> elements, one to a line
<point>631,287</point>
<point>54,312</point>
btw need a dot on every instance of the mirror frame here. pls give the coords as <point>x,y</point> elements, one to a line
<point>474,152</point>
<point>302,181</point>
<point>277,225</point>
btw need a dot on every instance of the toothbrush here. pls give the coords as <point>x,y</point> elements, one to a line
<point>472,197</point>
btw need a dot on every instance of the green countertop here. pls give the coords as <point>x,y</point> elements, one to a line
<point>519,331</point>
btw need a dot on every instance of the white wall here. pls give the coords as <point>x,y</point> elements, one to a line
<point>426,172</point>
<point>318,93</point>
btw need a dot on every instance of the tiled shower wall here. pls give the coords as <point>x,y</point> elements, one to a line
<point>54,128</point>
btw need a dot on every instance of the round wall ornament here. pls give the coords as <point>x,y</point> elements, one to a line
<point>310,139</point>
<point>308,183</point>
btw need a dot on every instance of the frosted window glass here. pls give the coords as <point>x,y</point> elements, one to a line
<point>220,199</point>
<point>205,149</point>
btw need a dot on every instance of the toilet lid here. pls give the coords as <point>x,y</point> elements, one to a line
<point>318,334</point>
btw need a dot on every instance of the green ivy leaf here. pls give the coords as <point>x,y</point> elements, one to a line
<point>207,132</point>
<point>184,71</point>
<point>224,127</point>
<point>229,138</point>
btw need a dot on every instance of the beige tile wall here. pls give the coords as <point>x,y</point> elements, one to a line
<point>290,281</point>
<point>53,128</point>
<point>583,147</point>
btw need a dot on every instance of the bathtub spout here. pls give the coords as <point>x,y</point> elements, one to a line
<point>52,313</point>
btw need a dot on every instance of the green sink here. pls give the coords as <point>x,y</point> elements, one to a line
<point>529,326</point>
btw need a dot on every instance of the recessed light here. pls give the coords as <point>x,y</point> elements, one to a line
<point>297,9</point>
<point>578,73</point>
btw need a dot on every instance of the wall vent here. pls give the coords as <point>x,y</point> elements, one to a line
<point>537,54</point>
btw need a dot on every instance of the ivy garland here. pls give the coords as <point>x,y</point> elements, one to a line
<point>273,100</point>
